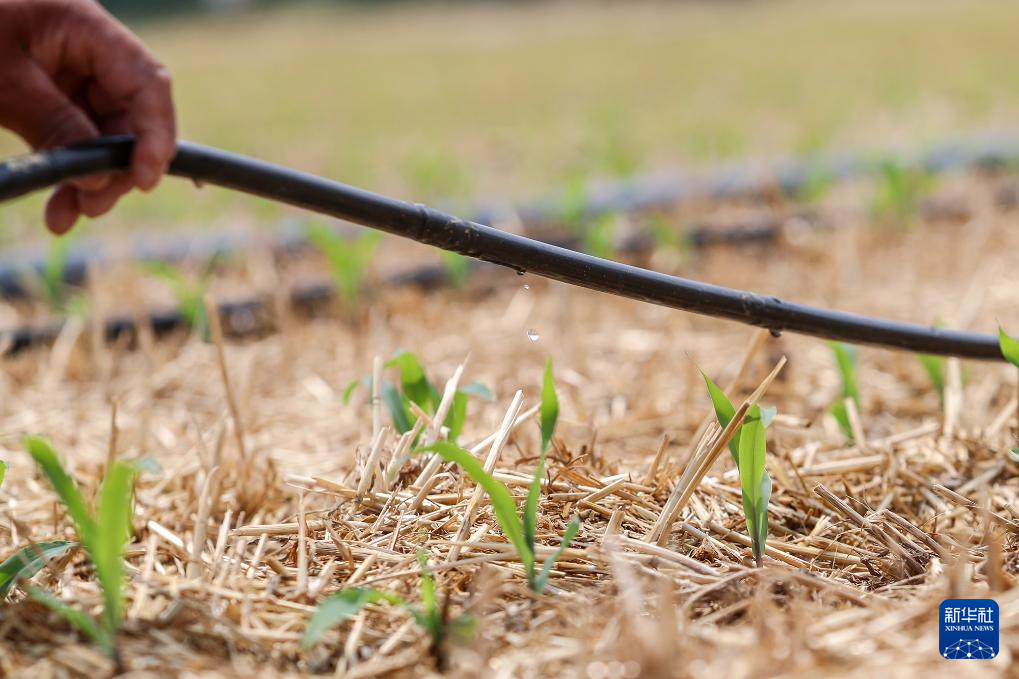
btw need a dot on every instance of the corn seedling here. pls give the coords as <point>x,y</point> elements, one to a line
<point>598,236</point>
<point>415,387</point>
<point>819,182</point>
<point>934,366</point>
<point>26,562</point>
<point>103,531</point>
<point>749,450</point>
<point>665,233</point>
<point>520,529</point>
<point>432,615</point>
<point>188,294</point>
<point>348,259</point>
<point>52,274</point>
<point>457,268</point>
<point>51,279</point>
<point>899,192</point>
<point>574,207</point>
<point>845,359</point>
<point>1010,350</point>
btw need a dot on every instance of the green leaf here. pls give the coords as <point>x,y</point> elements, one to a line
<point>366,380</point>
<point>750,513</point>
<point>530,516</point>
<point>462,627</point>
<point>65,488</point>
<point>845,358</point>
<point>1009,347</point>
<point>148,465</point>
<point>480,390</point>
<point>935,368</point>
<point>549,416</point>
<point>429,617</point>
<point>53,271</point>
<point>347,259</point>
<point>546,570</point>
<point>77,618</point>
<point>761,514</point>
<point>26,562</point>
<point>598,236</point>
<point>414,381</point>
<point>457,416</point>
<point>339,607</point>
<point>841,415</point>
<point>754,480</point>
<point>428,601</point>
<point>458,268</point>
<point>724,411</point>
<point>189,296</point>
<point>502,501</point>
<point>403,420</point>
<point>549,407</point>
<point>751,452</point>
<point>3,471</point>
<point>107,550</point>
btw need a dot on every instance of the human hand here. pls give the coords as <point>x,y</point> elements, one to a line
<point>70,72</point>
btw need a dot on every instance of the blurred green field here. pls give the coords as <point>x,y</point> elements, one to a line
<point>462,100</point>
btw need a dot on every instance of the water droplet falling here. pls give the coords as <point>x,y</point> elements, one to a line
<point>533,335</point>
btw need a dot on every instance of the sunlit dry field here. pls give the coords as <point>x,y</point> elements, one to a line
<point>256,502</point>
<point>270,484</point>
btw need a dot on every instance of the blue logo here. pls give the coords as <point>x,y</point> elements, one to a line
<point>969,629</point>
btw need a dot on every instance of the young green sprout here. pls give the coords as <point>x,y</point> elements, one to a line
<point>26,562</point>
<point>598,236</point>
<point>899,192</point>
<point>52,279</point>
<point>749,449</point>
<point>1010,350</point>
<point>432,616</point>
<point>53,271</point>
<point>189,294</point>
<point>418,389</point>
<point>934,366</point>
<point>818,184</point>
<point>845,359</point>
<point>520,530</point>
<point>348,259</point>
<point>103,531</point>
<point>574,207</point>
<point>457,267</point>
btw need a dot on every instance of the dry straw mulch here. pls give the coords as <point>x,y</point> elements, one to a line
<point>270,493</point>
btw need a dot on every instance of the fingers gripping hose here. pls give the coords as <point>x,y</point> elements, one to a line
<point>20,176</point>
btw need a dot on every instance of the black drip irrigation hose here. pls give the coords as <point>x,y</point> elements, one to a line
<point>24,175</point>
<point>643,193</point>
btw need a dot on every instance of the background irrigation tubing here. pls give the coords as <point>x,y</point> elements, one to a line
<point>648,192</point>
<point>20,176</point>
